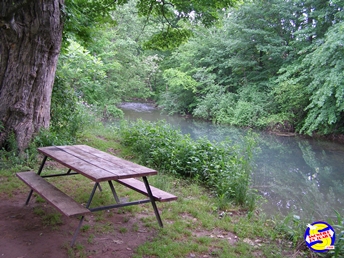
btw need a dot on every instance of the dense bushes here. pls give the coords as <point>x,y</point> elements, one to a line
<point>271,63</point>
<point>223,167</point>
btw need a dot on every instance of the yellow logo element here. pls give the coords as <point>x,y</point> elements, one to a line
<point>320,236</point>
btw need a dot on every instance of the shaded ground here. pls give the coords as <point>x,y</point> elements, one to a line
<point>28,232</point>
<point>38,230</point>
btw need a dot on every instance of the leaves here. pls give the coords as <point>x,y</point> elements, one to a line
<point>275,62</point>
<point>223,167</point>
<point>326,68</point>
<point>169,39</point>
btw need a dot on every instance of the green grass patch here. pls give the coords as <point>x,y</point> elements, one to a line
<point>194,226</point>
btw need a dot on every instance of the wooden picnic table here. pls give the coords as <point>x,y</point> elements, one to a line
<point>99,167</point>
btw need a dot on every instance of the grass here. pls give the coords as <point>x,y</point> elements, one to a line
<point>193,225</point>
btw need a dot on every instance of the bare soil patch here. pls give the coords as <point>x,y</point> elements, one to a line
<point>25,234</point>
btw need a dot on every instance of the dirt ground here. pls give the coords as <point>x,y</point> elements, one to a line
<point>23,233</point>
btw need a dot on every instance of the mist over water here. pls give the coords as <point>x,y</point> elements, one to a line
<point>304,177</point>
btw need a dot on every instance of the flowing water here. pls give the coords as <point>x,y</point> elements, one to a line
<point>304,177</point>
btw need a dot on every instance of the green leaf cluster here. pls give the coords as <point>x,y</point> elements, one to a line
<point>271,64</point>
<point>223,167</point>
<point>81,17</point>
<point>338,226</point>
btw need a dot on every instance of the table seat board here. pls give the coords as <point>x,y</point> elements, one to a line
<point>139,186</point>
<point>94,164</point>
<point>58,199</point>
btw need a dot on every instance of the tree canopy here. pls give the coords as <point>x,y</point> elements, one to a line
<point>272,64</point>
<point>31,34</point>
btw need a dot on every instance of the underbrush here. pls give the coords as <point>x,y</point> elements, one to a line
<point>223,167</point>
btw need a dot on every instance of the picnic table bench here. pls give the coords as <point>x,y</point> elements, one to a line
<point>99,167</point>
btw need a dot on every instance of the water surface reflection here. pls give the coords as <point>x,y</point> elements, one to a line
<point>293,174</point>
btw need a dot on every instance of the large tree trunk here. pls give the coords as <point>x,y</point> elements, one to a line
<point>30,41</point>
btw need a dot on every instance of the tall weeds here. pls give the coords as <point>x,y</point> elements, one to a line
<point>223,167</point>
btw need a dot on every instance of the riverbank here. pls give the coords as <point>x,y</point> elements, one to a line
<point>194,226</point>
<point>285,129</point>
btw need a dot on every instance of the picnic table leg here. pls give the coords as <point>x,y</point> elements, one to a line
<point>39,172</point>
<point>82,218</point>
<point>114,192</point>
<point>77,231</point>
<point>149,191</point>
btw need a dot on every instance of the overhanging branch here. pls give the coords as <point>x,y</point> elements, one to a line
<point>164,14</point>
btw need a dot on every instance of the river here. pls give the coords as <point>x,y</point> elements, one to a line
<point>294,175</point>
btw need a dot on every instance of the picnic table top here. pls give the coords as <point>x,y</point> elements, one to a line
<point>95,164</point>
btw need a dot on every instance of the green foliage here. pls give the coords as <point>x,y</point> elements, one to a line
<point>288,102</point>
<point>292,228</point>
<point>339,229</point>
<point>81,17</point>
<point>174,14</point>
<point>130,70</point>
<point>69,113</point>
<point>179,97</point>
<point>86,75</point>
<point>83,72</point>
<point>223,167</point>
<point>177,79</point>
<point>216,105</point>
<point>65,116</point>
<point>10,158</point>
<point>312,88</point>
<point>230,66</point>
<point>176,102</point>
<point>119,56</point>
<point>247,108</point>
<point>326,66</point>
<point>66,132</point>
<point>112,66</point>
<point>269,64</point>
<point>169,39</point>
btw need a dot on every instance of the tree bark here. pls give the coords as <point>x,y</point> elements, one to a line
<point>30,41</point>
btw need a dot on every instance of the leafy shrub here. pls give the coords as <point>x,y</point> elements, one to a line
<point>222,167</point>
<point>339,229</point>
<point>111,111</point>
<point>179,96</point>
<point>216,105</point>
<point>247,108</point>
<point>11,159</point>
<point>177,102</point>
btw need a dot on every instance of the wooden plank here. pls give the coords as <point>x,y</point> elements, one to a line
<point>159,195</point>
<point>94,164</point>
<point>78,165</point>
<point>120,167</point>
<point>114,165</point>
<point>66,160</point>
<point>117,161</point>
<point>58,199</point>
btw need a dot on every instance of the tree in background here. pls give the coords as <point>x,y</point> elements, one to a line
<point>232,64</point>
<point>272,64</point>
<point>309,88</point>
